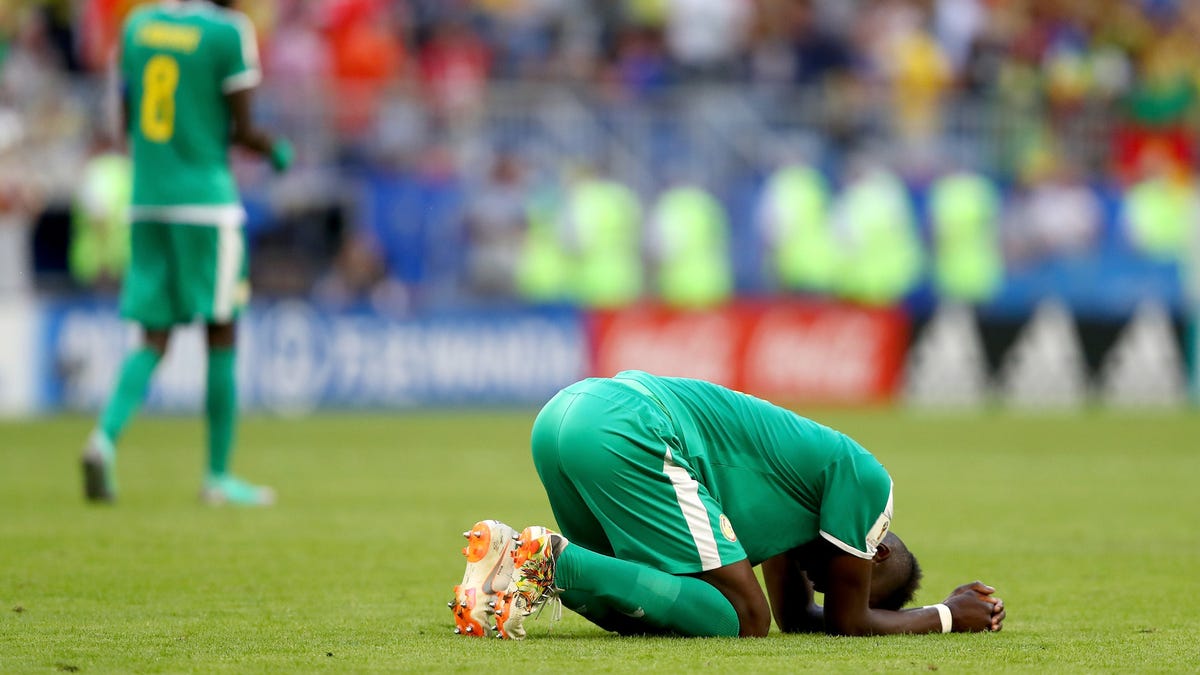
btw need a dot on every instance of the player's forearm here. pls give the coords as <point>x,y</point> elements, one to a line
<point>247,135</point>
<point>810,619</point>
<point>883,622</point>
<point>277,151</point>
<point>791,597</point>
<point>253,139</point>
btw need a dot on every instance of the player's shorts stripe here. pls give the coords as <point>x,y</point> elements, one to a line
<point>687,493</point>
<point>230,249</point>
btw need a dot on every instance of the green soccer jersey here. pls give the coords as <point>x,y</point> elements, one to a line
<point>179,60</point>
<point>781,480</point>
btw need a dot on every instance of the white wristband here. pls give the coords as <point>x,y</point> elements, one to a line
<point>944,614</point>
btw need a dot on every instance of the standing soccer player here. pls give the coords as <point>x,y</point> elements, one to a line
<point>187,69</point>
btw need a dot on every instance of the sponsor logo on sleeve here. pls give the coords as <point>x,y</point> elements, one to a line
<point>879,530</point>
<point>877,533</point>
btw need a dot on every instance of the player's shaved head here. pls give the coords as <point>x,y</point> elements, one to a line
<point>896,576</point>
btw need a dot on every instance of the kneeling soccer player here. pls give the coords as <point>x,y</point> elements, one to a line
<point>668,492</point>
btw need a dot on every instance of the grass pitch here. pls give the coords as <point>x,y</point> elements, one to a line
<point>1087,526</point>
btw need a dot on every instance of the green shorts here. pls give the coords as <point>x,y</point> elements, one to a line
<point>618,485</point>
<point>181,273</point>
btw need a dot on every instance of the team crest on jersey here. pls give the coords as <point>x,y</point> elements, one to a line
<point>727,528</point>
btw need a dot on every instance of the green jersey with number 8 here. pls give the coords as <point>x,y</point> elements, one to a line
<point>178,61</point>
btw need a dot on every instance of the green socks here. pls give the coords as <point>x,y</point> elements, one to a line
<point>617,595</point>
<point>130,391</point>
<point>220,404</point>
<point>221,408</point>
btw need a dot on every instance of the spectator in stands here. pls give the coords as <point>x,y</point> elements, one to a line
<point>906,56</point>
<point>298,53</point>
<point>38,151</point>
<point>958,25</point>
<point>18,202</point>
<point>989,59</point>
<point>359,278</point>
<point>1054,212</point>
<point>367,57</point>
<point>1066,61</point>
<point>497,222</point>
<point>645,13</point>
<point>1165,93</point>
<point>706,38</point>
<point>641,67</point>
<point>98,29</point>
<point>60,31</point>
<point>455,65</point>
<point>1161,106</point>
<point>522,35</point>
<point>793,46</point>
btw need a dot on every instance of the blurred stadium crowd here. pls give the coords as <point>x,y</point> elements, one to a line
<point>601,151</point>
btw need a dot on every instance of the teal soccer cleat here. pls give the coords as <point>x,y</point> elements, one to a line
<point>230,489</point>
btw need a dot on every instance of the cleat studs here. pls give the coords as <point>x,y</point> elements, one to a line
<point>467,534</point>
<point>470,629</point>
<point>463,603</point>
<point>450,604</point>
<point>491,603</point>
<point>457,630</point>
<point>477,534</point>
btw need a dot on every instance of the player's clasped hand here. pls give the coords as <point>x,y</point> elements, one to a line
<point>975,608</point>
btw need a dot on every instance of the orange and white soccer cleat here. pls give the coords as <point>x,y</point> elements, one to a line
<point>489,553</point>
<point>537,550</point>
